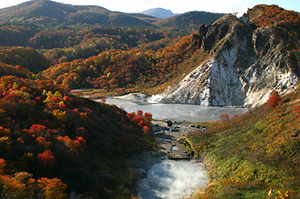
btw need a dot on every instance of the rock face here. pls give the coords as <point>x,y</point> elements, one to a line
<point>244,65</point>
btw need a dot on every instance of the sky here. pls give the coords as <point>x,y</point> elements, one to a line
<point>176,6</point>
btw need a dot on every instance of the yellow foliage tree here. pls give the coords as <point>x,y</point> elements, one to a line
<point>53,188</point>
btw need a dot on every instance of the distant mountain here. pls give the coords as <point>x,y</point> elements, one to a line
<point>159,13</point>
<point>48,12</point>
<point>189,18</point>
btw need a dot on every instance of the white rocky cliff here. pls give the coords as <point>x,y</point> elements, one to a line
<point>245,64</point>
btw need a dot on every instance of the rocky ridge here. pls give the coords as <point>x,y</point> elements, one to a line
<point>245,64</point>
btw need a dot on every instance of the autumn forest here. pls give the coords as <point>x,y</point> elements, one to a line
<point>53,141</point>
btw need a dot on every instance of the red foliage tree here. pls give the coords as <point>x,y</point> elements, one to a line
<point>12,97</point>
<point>103,99</point>
<point>37,129</point>
<point>148,117</point>
<point>142,119</point>
<point>146,129</point>
<point>18,67</point>
<point>80,142</point>
<point>130,115</point>
<point>2,165</point>
<point>224,117</point>
<point>297,110</point>
<point>46,158</point>
<point>41,140</point>
<point>139,113</point>
<point>142,123</point>
<point>274,100</point>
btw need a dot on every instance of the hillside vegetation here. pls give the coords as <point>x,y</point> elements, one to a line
<point>284,23</point>
<point>254,155</point>
<point>54,144</point>
<point>25,57</point>
<point>151,71</point>
<point>121,71</point>
<point>193,18</point>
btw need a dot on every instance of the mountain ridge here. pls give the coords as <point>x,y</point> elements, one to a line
<point>191,18</point>
<point>53,13</point>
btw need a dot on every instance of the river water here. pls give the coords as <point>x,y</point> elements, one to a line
<point>172,179</point>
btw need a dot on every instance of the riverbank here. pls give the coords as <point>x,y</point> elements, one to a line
<point>158,177</point>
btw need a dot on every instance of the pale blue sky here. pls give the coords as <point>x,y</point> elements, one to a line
<point>176,6</point>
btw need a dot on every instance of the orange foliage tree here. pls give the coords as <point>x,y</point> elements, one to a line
<point>53,188</point>
<point>224,117</point>
<point>78,143</point>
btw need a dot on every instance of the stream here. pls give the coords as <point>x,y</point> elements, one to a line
<point>172,179</point>
<point>161,178</point>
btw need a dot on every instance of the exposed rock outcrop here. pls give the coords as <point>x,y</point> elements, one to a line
<point>245,64</point>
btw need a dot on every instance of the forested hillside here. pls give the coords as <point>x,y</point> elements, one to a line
<point>25,57</point>
<point>54,144</point>
<point>50,14</point>
<point>6,69</point>
<point>255,155</point>
<point>191,19</point>
<point>126,70</point>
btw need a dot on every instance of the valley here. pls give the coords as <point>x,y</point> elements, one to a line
<point>83,89</point>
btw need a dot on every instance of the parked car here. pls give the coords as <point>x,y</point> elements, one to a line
<point>173,129</point>
<point>192,125</point>
<point>158,133</point>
